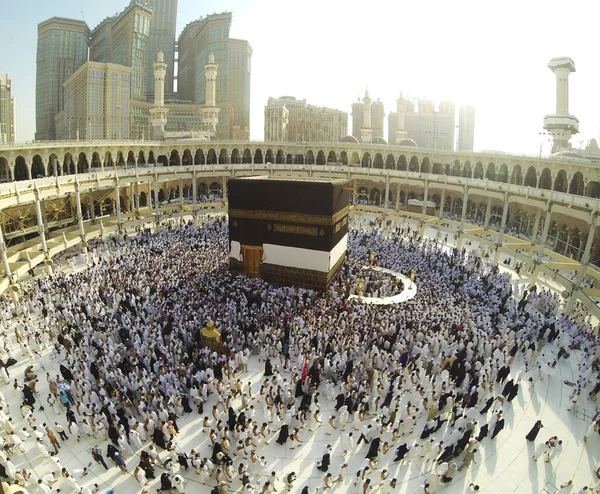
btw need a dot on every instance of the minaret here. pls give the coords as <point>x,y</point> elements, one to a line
<point>401,110</point>
<point>366,131</point>
<point>159,112</point>
<point>561,125</point>
<point>210,113</point>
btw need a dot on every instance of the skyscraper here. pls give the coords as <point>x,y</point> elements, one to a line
<point>240,56</point>
<point>357,118</point>
<point>97,103</point>
<point>62,48</point>
<point>377,118</point>
<point>124,40</point>
<point>199,39</point>
<point>466,128</point>
<point>292,120</point>
<point>7,111</point>
<point>161,38</point>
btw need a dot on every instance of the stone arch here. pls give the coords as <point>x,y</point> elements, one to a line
<point>593,189</point>
<point>490,172</point>
<point>279,159</point>
<point>215,190</point>
<point>235,156</point>
<point>299,159</point>
<point>390,162</point>
<point>413,166</point>
<point>174,158</point>
<point>426,165</point>
<point>502,176</point>
<point>211,157</point>
<point>247,157</point>
<point>4,170</point>
<point>438,169</point>
<point>143,199</point>
<point>187,159</point>
<point>467,170</point>
<point>576,186</point>
<point>366,160</point>
<point>53,166</point>
<point>447,169</point>
<point>68,165</point>
<point>362,195</point>
<point>82,163</point>
<point>199,158</point>
<point>402,163</point>
<point>258,157</point>
<point>141,159</point>
<point>545,181</point>
<point>354,158</point>
<point>95,160</point>
<point>269,156</point>
<point>120,159</point>
<point>530,177</point>
<point>344,158</point>
<point>310,157</point>
<point>130,158</point>
<point>378,161</point>
<point>223,157</point>
<point>162,197</point>
<point>375,196</point>
<point>108,159</point>
<point>151,158</point>
<point>37,167</point>
<point>320,157</point>
<point>162,160</point>
<point>516,177</point>
<point>332,158</point>
<point>560,182</point>
<point>289,159</point>
<point>456,168</point>
<point>478,172</point>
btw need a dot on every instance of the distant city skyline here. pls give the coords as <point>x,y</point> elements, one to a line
<point>433,49</point>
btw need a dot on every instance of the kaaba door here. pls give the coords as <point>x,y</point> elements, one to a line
<point>252,258</point>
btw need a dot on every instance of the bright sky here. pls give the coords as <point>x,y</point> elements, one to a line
<point>329,51</point>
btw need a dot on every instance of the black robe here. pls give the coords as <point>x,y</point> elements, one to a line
<point>324,463</point>
<point>373,449</point>
<point>483,432</point>
<point>159,438</point>
<point>534,431</point>
<point>268,368</point>
<point>284,434</point>
<point>497,428</point>
<point>401,452</point>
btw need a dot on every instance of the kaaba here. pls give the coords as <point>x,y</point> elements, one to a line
<point>288,231</point>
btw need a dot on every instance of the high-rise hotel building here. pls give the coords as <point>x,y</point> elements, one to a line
<point>7,111</point>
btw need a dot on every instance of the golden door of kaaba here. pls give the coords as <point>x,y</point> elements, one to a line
<point>252,259</point>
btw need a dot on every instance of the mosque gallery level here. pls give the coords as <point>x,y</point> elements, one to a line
<point>541,211</point>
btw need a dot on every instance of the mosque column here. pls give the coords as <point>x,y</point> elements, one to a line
<point>42,232</point>
<point>536,225</point>
<point>13,289</point>
<point>502,228</point>
<point>387,194</point>
<point>537,257</point>
<point>424,212</point>
<point>354,192</point>
<point>462,219</point>
<point>398,196</point>
<point>442,203</point>
<point>101,164</point>
<point>194,198</point>
<point>136,196</point>
<point>156,205</point>
<point>84,248</point>
<point>584,264</point>
<point>224,189</point>
<point>488,212</point>
<point>181,194</point>
<point>118,204</point>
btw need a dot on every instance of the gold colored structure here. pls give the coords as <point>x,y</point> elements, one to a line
<point>211,337</point>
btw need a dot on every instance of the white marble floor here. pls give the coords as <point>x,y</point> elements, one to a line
<point>409,291</point>
<point>504,465</point>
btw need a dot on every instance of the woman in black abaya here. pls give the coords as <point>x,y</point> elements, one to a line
<point>532,434</point>
<point>268,367</point>
<point>284,434</point>
<point>373,452</point>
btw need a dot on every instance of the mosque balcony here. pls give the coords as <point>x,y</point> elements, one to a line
<point>562,122</point>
